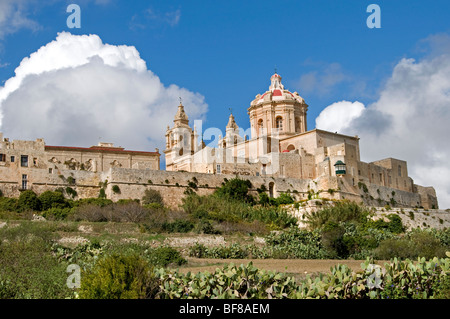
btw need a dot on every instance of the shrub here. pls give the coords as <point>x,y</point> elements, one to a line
<point>343,211</point>
<point>205,227</point>
<point>235,189</point>
<point>71,180</point>
<point>90,213</point>
<point>264,199</point>
<point>119,277</point>
<point>116,189</point>
<point>222,210</point>
<point>284,199</point>
<point>56,213</point>
<point>164,256</point>
<point>28,269</point>
<point>51,199</point>
<point>178,226</point>
<point>192,185</point>
<point>8,204</point>
<point>333,240</point>
<point>70,191</point>
<point>28,200</point>
<point>395,224</point>
<point>101,202</point>
<point>363,186</point>
<point>101,193</point>
<point>131,212</point>
<point>152,196</point>
<point>419,244</point>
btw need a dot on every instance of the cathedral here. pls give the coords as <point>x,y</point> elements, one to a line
<point>277,151</point>
<point>280,146</point>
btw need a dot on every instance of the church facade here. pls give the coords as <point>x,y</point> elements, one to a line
<point>280,146</point>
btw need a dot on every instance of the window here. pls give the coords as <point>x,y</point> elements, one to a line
<point>35,161</point>
<point>260,126</point>
<point>297,124</point>
<point>279,122</point>
<point>24,160</point>
<point>24,181</point>
<point>2,158</point>
<point>399,170</point>
<point>50,170</point>
<point>13,159</point>
<point>218,169</point>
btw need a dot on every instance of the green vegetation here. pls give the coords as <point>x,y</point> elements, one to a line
<point>116,189</point>
<point>119,277</point>
<point>120,255</point>
<point>343,231</point>
<point>401,279</point>
<point>28,200</point>
<point>152,196</point>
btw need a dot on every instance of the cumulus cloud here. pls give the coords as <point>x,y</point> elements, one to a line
<point>410,120</point>
<point>76,89</point>
<point>337,116</point>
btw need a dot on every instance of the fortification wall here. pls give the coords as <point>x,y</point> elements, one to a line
<point>172,185</point>
<point>132,184</point>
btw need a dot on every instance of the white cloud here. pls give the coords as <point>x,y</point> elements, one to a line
<point>338,116</point>
<point>13,17</point>
<point>410,120</point>
<point>76,89</point>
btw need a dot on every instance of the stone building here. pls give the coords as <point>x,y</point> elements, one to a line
<point>277,151</point>
<point>27,163</point>
<point>280,146</point>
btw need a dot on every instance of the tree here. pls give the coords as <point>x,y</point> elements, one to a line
<point>51,199</point>
<point>236,189</point>
<point>152,196</point>
<point>29,200</point>
<point>120,277</point>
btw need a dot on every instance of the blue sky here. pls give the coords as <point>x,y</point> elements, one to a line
<point>220,54</point>
<point>227,50</point>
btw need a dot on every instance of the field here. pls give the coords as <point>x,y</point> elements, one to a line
<point>216,246</point>
<point>297,267</point>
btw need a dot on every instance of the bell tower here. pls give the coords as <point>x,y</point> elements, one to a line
<point>181,140</point>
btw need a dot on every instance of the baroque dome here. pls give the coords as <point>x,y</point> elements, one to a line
<point>277,92</point>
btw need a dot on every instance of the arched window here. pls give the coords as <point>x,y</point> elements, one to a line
<point>297,124</point>
<point>260,126</point>
<point>279,122</point>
